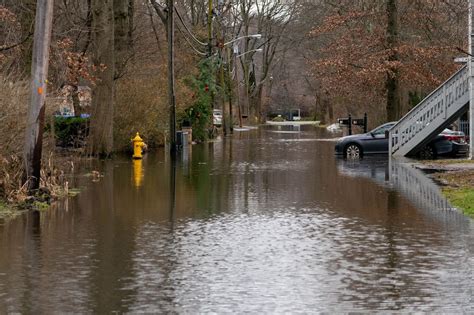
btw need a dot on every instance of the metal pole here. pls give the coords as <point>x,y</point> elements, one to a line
<point>171,93</point>
<point>36,111</point>
<point>471,80</point>
<point>350,125</point>
<point>365,123</point>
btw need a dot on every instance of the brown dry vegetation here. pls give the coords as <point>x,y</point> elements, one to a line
<point>14,101</point>
<point>12,112</point>
<point>141,105</point>
<point>456,179</point>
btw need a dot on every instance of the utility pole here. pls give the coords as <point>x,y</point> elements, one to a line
<point>209,28</point>
<point>222,56</point>
<point>171,92</point>
<point>39,74</point>
<point>229,90</point>
<point>223,89</point>
<point>235,51</point>
<point>471,79</point>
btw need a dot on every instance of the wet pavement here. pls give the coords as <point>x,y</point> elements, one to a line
<point>268,221</point>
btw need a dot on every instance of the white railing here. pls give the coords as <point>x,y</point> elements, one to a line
<point>431,116</point>
<point>464,127</point>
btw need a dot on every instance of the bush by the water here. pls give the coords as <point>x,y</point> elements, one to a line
<point>71,131</point>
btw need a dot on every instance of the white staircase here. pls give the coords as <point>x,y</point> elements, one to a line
<point>424,122</point>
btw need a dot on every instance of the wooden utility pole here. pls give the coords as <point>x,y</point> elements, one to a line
<point>223,91</point>
<point>171,93</point>
<point>229,90</point>
<point>39,74</point>
<point>209,28</point>
<point>239,103</point>
<point>471,79</point>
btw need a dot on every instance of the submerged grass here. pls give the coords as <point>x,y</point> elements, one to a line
<point>7,211</point>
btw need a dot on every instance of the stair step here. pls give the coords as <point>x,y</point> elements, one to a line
<point>433,114</point>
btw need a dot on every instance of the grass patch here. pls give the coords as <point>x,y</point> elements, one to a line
<point>461,198</point>
<point>458,188</point>
<point>73,192</point>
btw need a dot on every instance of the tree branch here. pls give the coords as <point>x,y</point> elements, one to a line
<point>6,47</point>
<point>160,10</point>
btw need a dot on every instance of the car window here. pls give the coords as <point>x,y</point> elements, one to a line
<point>381,130</point>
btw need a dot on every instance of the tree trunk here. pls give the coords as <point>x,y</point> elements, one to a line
<point>122,35</point>
<point>101,130</point>
<point>393,80</point>
<point>256,104</point>
<point>322,107</point>
<point>39,73</point>
<point>76,103</point>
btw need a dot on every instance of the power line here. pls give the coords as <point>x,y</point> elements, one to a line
<point>187,29</point>
<point>190,44</point>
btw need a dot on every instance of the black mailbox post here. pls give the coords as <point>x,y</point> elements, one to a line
<point>346,122</point>
<point>361,122</point>
<point>349,121</point>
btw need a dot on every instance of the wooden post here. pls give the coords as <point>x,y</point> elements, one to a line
<point>171,92</point>
<point>36,112</point>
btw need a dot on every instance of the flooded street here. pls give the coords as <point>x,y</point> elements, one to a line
<point>269,221</point>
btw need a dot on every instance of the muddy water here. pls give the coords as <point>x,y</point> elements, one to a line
<point>268,221</point>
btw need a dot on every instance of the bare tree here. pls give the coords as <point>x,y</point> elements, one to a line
<point>271,19</point>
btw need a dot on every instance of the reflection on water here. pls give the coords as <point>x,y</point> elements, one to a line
<point>137,173</point>
<point>405,178</point>
<point>263,222</point>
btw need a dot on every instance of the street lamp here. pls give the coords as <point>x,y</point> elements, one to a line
<point>250,51</point>
<point>257,36</point>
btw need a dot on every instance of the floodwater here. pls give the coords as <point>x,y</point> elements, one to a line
<point>268,221</point>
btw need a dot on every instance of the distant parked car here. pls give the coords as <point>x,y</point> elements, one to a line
<point>217,117</point>
<point>376,142</point>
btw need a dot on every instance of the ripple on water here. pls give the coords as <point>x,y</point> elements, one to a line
<point>285,262</point>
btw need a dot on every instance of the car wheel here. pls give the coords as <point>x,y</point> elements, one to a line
<point>353,151</point>
<point>427,153</point>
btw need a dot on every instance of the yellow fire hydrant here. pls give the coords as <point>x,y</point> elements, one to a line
<point>138,146</point>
